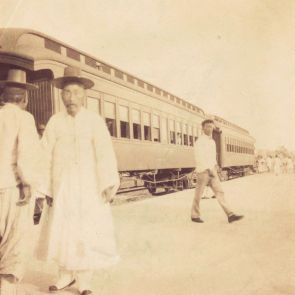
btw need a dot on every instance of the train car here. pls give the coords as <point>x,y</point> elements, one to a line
<point>235,149</point>
<point>153,131</point>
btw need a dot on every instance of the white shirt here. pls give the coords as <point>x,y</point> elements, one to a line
<point>19,145</point>
<point>205,153</point>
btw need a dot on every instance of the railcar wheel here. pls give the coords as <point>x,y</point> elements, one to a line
<point>186,183</point>
<point>152,190</point>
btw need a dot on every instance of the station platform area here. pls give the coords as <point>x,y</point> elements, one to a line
<point>164,253</point>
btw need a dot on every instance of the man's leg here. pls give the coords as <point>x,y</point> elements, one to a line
<point>14,239</point>
<point>219,193</point>
<point>8,285</point>
<point>65,279</point>
<point>84,279</point>
<point>202,181</point>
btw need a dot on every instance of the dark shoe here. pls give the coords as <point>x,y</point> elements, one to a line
<point>234,217</point>
<point>86,292</point>
<point>55,289</point>
<point>213,197</point>
<point>197,219</point>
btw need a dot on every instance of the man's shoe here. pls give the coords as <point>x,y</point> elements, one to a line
<point>54,288</point>
<point>86,292</point>
<point>213,197</point>
<point>197,219</point>
<point>234,217</point>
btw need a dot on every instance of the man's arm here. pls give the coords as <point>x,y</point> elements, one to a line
<point>28,156</point>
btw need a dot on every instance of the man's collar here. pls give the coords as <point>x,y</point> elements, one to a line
<point>11,105</point>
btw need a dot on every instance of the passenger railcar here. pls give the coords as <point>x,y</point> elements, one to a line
<point>235,148</point>
<point>153,131</point>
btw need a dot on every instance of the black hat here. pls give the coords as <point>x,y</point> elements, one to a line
<point>72,74</point>
<point>17,78</point>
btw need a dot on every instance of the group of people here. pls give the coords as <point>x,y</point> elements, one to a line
<point>72,174</point>
<point>72,171</point>
<point>279,164</point>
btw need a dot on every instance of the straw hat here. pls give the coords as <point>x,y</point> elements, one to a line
<point>72,74</point>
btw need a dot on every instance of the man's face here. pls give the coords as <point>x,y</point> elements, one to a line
<point>208,129</point>
<point>73,96</point>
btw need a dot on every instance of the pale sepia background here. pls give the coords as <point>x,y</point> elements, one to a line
<point>233,58</point>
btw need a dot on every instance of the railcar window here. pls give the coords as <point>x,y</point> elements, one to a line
<point>140,83</point>
<point>93,104</point>
<point>124,121</point>
<point>185,135</point>
<point>110,117</point>
<point>195,133</point>
<point>171,97</point>
<point>147,126</point>
<point>51,45</point>
<point>178,133</point>
<point>158,91</point>
<point>156,128</point>
<point>172,132</point>
<point>71,53</point>
<point>90,61</point>
<point>106,68</point>
<point>119,74</point>
<point>136,124</point>
<point>190,136</point>
<point>130,79</point>
<point>164,135</point>
<point>150,87</point>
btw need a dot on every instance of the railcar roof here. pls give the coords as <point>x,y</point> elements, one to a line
<point>9,38</point>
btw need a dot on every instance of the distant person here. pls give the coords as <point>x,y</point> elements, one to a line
<point>290,165</point>
<point>19,151</point>
<point>285,164</point>
<point>206,168</point>
<point>277,165</point>
<point>269,163</point>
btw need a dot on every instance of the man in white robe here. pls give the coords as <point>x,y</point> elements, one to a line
<point>82,178</point>
<point>18,172</point>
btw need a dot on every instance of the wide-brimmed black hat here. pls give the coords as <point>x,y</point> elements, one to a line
<point>72,74</point>
<point>17,78</point>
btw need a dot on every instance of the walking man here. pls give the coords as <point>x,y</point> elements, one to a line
<point>82,177</point>
<point>18,172</point>
<point>205,157</point>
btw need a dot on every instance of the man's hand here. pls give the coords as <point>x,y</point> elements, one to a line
<point>24,195</point>
<point>49,201</point>
<point>107,195</point>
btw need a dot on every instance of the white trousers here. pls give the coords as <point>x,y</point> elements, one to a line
<point>15,224</point>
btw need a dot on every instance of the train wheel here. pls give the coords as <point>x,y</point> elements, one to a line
<point>186,183</point>
<point>152,190</point>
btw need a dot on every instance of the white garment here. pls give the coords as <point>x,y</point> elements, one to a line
<point>290,165</point>
<point>80,165</point>
<point>277,165</point>
<point>205,153</point>
<point>19,154</point>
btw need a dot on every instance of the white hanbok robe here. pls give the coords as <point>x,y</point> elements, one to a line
<point>78,232</point>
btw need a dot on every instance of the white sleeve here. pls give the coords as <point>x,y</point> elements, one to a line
<point>47,144</point>
<point>28,151</point>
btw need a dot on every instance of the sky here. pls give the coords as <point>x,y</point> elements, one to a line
<point>233,58</point>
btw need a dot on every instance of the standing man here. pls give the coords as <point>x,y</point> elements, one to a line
<point>18,172</point>
<point>205,156</point>
<point>82,178</point>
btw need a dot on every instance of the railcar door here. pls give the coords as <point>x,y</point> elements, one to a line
<point>217,138</point>
<point>40,103</point>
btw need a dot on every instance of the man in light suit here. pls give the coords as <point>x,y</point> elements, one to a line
<point>206,167</point>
